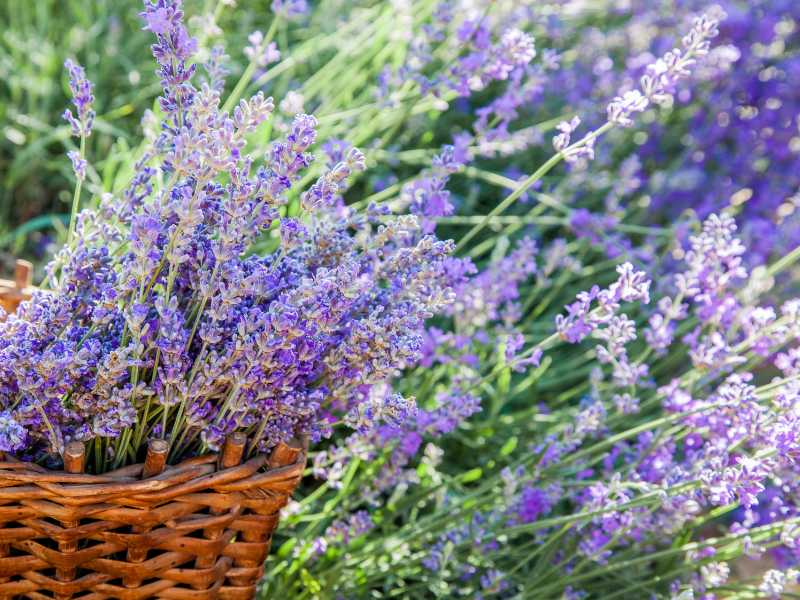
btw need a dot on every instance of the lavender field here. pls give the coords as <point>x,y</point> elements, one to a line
<point>523,275</point>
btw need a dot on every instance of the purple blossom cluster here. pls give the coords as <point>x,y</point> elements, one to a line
<point>484,53</point>
<point>485,308</point>
<point>427,195</point>
<point>584,317</point>
<point>290,9</point>
<point>656,86</point>
<point>160,323</point>
<point>730,142</point>
<point>261,52</point>
<point>660,78</point>
<point>734,443</point>
<point>81,123</point>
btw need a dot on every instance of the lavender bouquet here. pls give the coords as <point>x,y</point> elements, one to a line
<point>158,322</point>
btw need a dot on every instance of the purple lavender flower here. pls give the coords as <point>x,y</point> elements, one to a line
<point>78,164</point>
<point>775,582</point>
<point>217,68</point>
<point>293,233</point>
<point>582,319</point>
<point>172,49</point>
<point>161,321</point>
<point>661,76</point>
<point>566,128</point>
<point>516,48</point>
<point>82,98</point>
<point>290,9</point>
<point>259,52</point>
<point>12,435</point>
<point>622,107</point>
<point>427,195</point>
<point>358,523</point>
<point>327,188</point>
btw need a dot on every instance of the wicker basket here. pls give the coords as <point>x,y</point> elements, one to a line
<point>14,292</point>
<point>197,530</point>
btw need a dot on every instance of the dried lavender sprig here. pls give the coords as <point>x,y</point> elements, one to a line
<point>81,125</point>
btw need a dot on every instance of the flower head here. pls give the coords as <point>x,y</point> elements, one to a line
<point>82,98</point>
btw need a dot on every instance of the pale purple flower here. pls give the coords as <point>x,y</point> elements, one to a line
<point>622,107</point>
<point>82,98</point>
<point>259,52</point>
<point>562,140</point>
<point>78,164</point>
<point>583,317</point>
<point>715,574</point>
<point>516,48</point>
<point>12,435</point>
<point>657,83</point>
<point>775,582</point>
<point>290,9</point>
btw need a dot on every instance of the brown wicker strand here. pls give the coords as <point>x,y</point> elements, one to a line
<point>255,535</point>
<point>154,463</point>
<point>156,459</point>
<point>74,462</point>
<point>231,456</point>
<point>4,546</point>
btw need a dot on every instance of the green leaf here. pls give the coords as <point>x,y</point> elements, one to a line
<point>471,475</point>
<point>509,446</point>
<point>286,548</point>
<point>311,584</point>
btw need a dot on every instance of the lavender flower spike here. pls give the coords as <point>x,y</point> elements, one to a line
<point>82,98</point>
<point>662,76</point>
<point>259,51</point>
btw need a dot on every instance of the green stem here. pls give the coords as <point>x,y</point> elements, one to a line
<point>784,262</point>
<point>76,196</point>
<point>525,185</point>
<point>247,76</point>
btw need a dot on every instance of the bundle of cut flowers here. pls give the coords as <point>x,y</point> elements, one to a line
<point>158,323</point>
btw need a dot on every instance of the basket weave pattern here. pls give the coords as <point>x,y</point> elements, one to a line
<point>197,530</point>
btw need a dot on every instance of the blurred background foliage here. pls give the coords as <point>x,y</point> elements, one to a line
<point>36,39</point>
<point>107,38</point>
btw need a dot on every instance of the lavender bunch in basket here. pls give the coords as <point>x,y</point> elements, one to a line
<point>160,324</point>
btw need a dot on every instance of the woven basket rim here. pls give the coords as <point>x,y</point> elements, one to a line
<point>17,477</point>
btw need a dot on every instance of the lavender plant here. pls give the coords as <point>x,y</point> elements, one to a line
<point>158,323</point>
<point>643,460</point>
<point>724,139</point>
